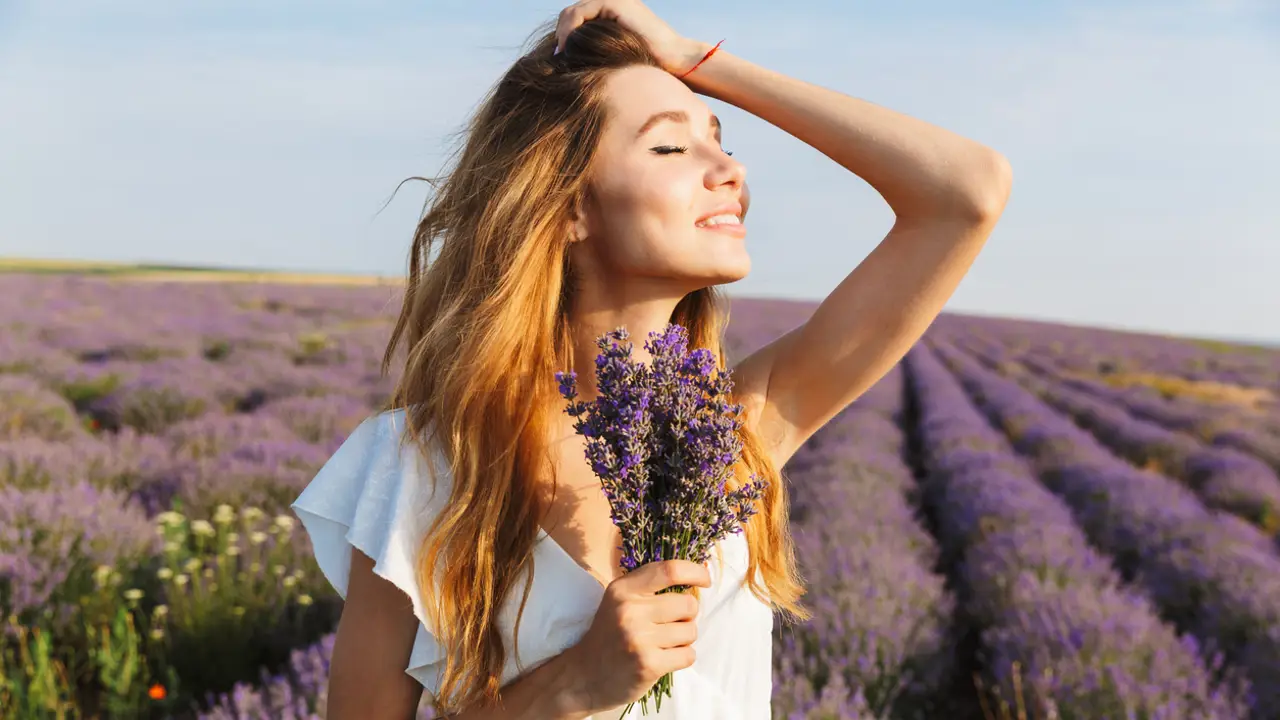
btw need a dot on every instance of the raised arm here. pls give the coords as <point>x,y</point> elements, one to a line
<point>947,192</point>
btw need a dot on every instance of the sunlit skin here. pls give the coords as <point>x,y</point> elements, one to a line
<point>640,252</point>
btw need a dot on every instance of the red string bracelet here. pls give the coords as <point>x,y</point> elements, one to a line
<point>710,52</point>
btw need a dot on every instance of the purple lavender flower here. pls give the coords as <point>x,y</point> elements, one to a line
<point>29,409</point>
<point>53,538</point>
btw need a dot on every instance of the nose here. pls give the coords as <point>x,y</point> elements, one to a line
<point>726,170</point>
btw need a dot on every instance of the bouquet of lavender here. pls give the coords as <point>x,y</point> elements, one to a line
<point>662,439</point>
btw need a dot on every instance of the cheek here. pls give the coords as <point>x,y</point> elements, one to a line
<point>650,211</point>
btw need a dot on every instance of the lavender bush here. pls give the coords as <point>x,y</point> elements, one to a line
<point>1207,574</point>
<point>880,643</point>
<point>1219,425</point>
<point>1039,595</point>
<point>28,408</point>
<point>1224,478</point>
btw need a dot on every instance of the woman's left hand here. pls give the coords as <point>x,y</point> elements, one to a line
<point>675,52</point>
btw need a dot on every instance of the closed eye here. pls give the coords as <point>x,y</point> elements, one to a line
<point>669,149</point>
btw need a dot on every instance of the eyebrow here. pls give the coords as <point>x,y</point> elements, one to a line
<point>674,116</point>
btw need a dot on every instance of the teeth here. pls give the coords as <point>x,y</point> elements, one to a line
<point>720,220</point>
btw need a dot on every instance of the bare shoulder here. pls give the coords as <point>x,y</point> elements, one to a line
<point>371,650</point>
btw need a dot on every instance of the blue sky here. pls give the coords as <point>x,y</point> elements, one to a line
<point>1143,139</point>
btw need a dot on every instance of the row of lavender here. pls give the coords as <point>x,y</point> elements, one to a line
<point>881,642</point>
<point>1255,432</point>
<point>1224,478</point>
<point>1036,591</point>
<point>1243,415</point>
<point>1218,426</point>
<point>1206,570</point>
<point>1097,348</point>
<point>88,318</point>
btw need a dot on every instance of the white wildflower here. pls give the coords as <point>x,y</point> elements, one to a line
<point>224,514</point>
<point>170,517</point>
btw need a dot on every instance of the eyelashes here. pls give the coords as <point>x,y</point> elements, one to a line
<point>669,149</point>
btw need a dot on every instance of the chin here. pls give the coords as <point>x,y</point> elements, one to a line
<point>733,274</point>
<point>717,267</point>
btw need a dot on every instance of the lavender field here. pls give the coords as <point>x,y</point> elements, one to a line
<point>1020,520</point>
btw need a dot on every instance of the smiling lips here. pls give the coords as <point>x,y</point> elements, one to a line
<point>727,219</point>
<point>728,224</point>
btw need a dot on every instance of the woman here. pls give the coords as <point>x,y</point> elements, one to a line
<point>593,193</point>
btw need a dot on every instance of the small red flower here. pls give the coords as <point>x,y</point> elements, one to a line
<point>156,692</point>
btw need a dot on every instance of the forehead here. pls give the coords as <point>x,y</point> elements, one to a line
<point>634,94</point>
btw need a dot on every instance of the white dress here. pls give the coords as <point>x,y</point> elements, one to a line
<point>376,496</point>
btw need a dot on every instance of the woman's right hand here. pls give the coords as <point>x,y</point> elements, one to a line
<point>638,636</point>
<point>674,52</point>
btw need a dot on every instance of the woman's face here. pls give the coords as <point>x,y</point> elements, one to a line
<point>659,171</point>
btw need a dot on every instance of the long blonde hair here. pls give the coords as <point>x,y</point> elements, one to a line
<point>485,329</point>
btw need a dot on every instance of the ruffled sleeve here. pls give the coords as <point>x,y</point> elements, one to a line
<point>376,496</point>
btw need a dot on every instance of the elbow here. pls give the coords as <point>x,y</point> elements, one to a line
<point>988,185</point>
<point>971,192</point>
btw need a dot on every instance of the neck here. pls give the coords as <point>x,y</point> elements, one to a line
<point>592,317</point>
